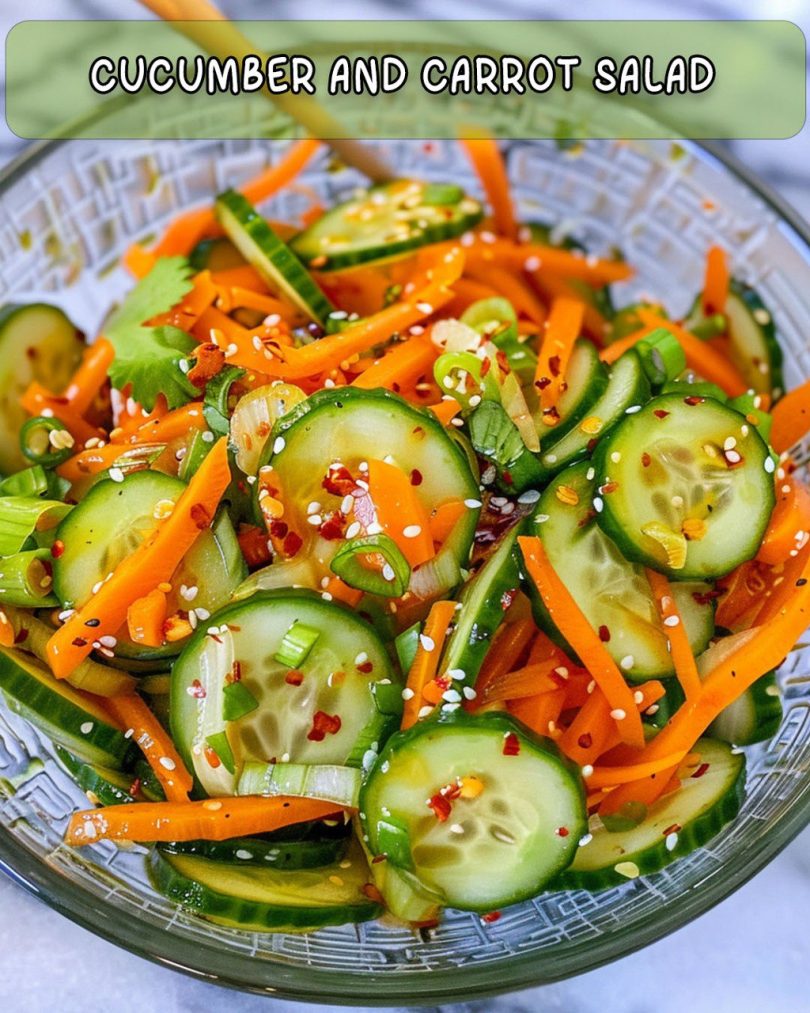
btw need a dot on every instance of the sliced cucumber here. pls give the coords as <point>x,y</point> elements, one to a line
<point>217,254</point>
<point>586,381</point>
<point>267,899</point>
<point>685,487</point>
<point>627,387</point>
<point>483,602</point>
<point>757,714</point>
<point>102,785</point>
<point>336,707</point>
<point>613,594</point>
<point>112,520</point>
<point>673,827</point>
<point>752,335</point>
<point>328,782</point>
<point>496,438</point>
<point>478,810</point>
<point>347,427</point>
<point>309,851</point>
<point>273,259</point>
<point>385,221</point>
<point>37,343</point>
<point>71,719</point>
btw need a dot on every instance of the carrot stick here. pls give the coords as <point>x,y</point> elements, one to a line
<point>539,259</point>
<point>168,427</point>
<point>715,285</point>
<point>591,732</point>
<point>488,163</point>
<point>783,586</point>
<point>531,680</point>
<point>401,366</point>
<point>236,297</point>
<point>583,638</point>
<point>145,618</point>
<point>508,644</point>
<point>138,261</point>
<point>742,595</point>
<point>540,712</point>
<point>155,560</point>
<point>341,591</point>
<point>446,410</point>
<point>553,286</point>
<point>215,819</point>
<point>155,743</point>
<point>244,277</point>
<point>444,518</point>
<point>562,330</point>
<point>682,657</point>
<point>400,511</point>
<point>509,287</point>
<point>36,400</point>
<point>791,418</point>
<point>616,349</point>
<point>426,661</point>
<point>608,777</point>
<point>91,462</point>
<point>275,177</point>
<point>90,377</point>
<point>789,524</point>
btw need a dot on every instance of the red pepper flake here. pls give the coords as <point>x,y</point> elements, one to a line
<point>659,413</point>
<point>705,597</point>
<point>673,828</point>
<point>701,770</point>
<point>235,674</point>
<point>646,460</point>
<point>294,677</point>
<point>693,399</point>
<point>441,806</point>
<point>253,543</point>
<point>542,382</point>
<point>332,528</point>
<point>592,444</point>
<point>200,516</point>
<point>292,543</point>
<point>554,365</point>
<point>562,831</point>
<point>135,787</point>
<point>378,858</point>
<point>604,634</point>
<point>586,518</point>
<point>366,667</point>
<point>373,894</point>
<point>79,642</point>
<point>506,477</point>
<point>212,758</point>
<point>551,416</point>
<point>338,481</point>
<point>419,431</point>
<point>585,741</point>
<point>57,548</point>
<point>197,690</point>
<point>416,477</point>
<point>485,366</point>
<point>608,488</point>
<point>323,724</point>
<point>278,529</point>
<point>511,744</point>
<point>21,637</point>
<point>490,917</point>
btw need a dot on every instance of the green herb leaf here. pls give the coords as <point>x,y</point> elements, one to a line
<point>149,358</point>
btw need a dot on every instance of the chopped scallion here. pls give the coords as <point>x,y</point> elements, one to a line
<point>298,641</point>
<point>373,563</point>
<point>237,701</point>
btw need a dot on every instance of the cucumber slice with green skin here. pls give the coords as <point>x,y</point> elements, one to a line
<point>385,221</point>
<point>483,602</point>
<point>403,897</point>
<point>349,426</point>
<point>510,820</point>
<point>685,486</point>
<point>586,379</point>
<point>112,520</point>
<point>627,387</point>
<point>327,782</point>
<point>215,255</point>
<point>337,707</point>
<point>69,718</point>
<point>673,827</point>
<point>273,259</point>
<point>496,438</point>
<point>757,714</point>
<point>37,344</point>
<point>267,852</point>
<point>612,593</point>
<point>267,899</point>
<point>102,785</point>
<point>752,335</point>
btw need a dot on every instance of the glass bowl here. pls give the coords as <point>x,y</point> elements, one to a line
<point>67,211</point>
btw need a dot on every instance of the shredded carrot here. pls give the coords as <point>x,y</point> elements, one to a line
<point>531,680</point>
<point>444,518</point>
<point>538,259</point>
<point>90,377</point>
<point>155,560</point>
<point>608,777</point>
<point>562,330</point>
<point>507,647</point>
<point>138,261</point>
<point>683,659</point>
<point>145,618</point>
<point>789,526</point>
<point>583,638</point>
<point>214,819</point>
<point>426,661</point>
<point>402,365</point>
<point>509,287</point>
<point>277,176</point>
<point>236,297</point>
<point>445,410</point>
<point>741,595</point>
<point>540,712</point>
<point>591,732</point>
<point>552,286</point>
<point>400,511</point>
<point>168,427</point>
<point>36,400</point>
<point>341,591</point>
<point>782,588</point>
<point>616,349</point>
<point>791,418</point>
<point>97,459</point>
<point>243,277</point>
<point>488,163</point>
<point>155,743</point>
<point>715,285</point>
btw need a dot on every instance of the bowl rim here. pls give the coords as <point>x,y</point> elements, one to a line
<point>211,963</point>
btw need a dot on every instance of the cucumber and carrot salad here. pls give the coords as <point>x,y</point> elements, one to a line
<point>379,563</point>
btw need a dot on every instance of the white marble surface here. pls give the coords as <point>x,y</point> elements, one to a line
<point>751,953</point>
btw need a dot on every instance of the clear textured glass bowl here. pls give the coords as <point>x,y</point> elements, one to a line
<point>67,212</point>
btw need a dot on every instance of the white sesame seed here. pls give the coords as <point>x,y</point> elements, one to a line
<point>587,770</point>
<point>451,696</point>
<point>353,529</point>
<point>769,465</point>
<point>314,507</point>
<point>586,839</point>
<point>408,693</point>
<point>167,762</point>
<point>375,528</point>
<point>469,693</point>
<point>473,504</point>
<point>424,711</point>
<point>598,504</point>
<point>116,474</point>
<point>638,697</point>
<point>618,714</point>
<point>279,444</point>
<point>86,727</point>
<point>412,531</point>
<point>671,841</point>
<point>627,662</point>
<point>315,520</point>
<point>428,643</point>
<point>615,457</point>
<point>671,621</point>
<point>632,409</point>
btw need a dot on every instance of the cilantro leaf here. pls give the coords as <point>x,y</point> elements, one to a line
<point>148,358</point>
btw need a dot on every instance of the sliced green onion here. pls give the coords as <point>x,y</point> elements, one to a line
<point>340,785</point>
<point>298,641</point>
<point>253,419</point>
<point>46,441</point>
<point>390,580</point>
<point>219,743</point>
<point>394,841</point>
<point>216,403</point>
<point>406,645</point>
<point>711,327</point>
<point>25,579</point>
<point>195,454</point>
<point>442,193</point>
<point>661,356</point>
<point>23,516</point>
<point>237,700</point>
<point>387,697</point>
<point>31,481</point>
<point>459,374</point>
<point>745,404</point>
<point>495,319</point>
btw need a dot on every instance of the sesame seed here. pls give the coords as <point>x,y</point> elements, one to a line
<point>587,770</point>
<point>353,529</point>
<point>428,644</point>
<point>279,444</point>
<point>628,869</point>
<point>671,841</point>
<point>618,714</point>
<point>167,762</point>
<point>770,467</point>
<point>408,693</point>
<point>86,727</point>
<point>473,504</point>
<point>361,658</point>
<point>627,662</point>
<point>315,520</point>
<point>469,693</point>
<point>412,531</point>
<point>424,711</point>
<point>116,474</point>
<point>671,621</point>
<point>586,839</point>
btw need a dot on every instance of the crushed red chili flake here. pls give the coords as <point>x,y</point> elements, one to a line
<point>585,741</point>
<point>235,674</point>
<point>586,518</point>
<point>554,365</point>
<point>693,399</point>
<point>542,382</point>
<point>604,634</point>
<point>21,637</point>
<point>365,667</point>
<point>608,488</point>
<point>646,460</point>
<point>506,476</point>
<point>562,831</point>
<point>323,724</point>
<point>705,597</point>
<point>79,642</point>
<point>338,481</point>
<point>373,894</point>
<point>57,548</point>
<point>212,758</point>
<point>253,543</point>
<point>294,677</point>
<point>441,806</point>
<point>701,770</point>
<point>485,366</point>
<point>511,744</point>
<point>378,858</point>
<point>292,543</point>
<point>659,413</point>
<point>416,477</point>
<point>551,416</point>
<point>278,529</point>
<point>135,787</point>
<point>197,690</point>
<point>332,527</point>
<point>490,917</point>
<point>200,516</point>
<point>592,444</point>
<point>508,597</point>
<point>419,431</point>
<point>673,828</point>
<point>209,361</point>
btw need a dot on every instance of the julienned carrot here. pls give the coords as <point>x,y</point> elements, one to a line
<point>531,680</point>
<point>236,297</point>
<point>741,595</point>
<point>583,639</point>
<point>608,777</point>
<point>155,560</point>
<point>214,819</point>
<point>341,591</point>
<point>426,661</point>
<point>445,410</point>
<point>489,166</point>
<point>90,377</point>
<point>402,365</point>
<point>168,427</point>
<point>400,511</point>
<point>539,259</point>
<point>789,526</point>
<point>510,287</point>
<point>616,349</point>
<point>96,459</point>
<point>508,644</point>
<point>715,285</point>
<point>683,659</point>
<point>701,357</point>
<point>155,743</point>
<point>562,330</point>
<point>791,418</point>
<point>443,519</point>
<point>36,400</point>
<point>551,286</point>
<point>540,712</point>
<point>782,587</point>
<point>276,176</point>
<point>244,277</point>
<point>145,618</point>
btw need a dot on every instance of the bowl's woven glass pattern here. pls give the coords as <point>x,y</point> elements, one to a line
<point>64,220</point>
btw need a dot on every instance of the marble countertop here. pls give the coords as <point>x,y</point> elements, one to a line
<point>750,953</point>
